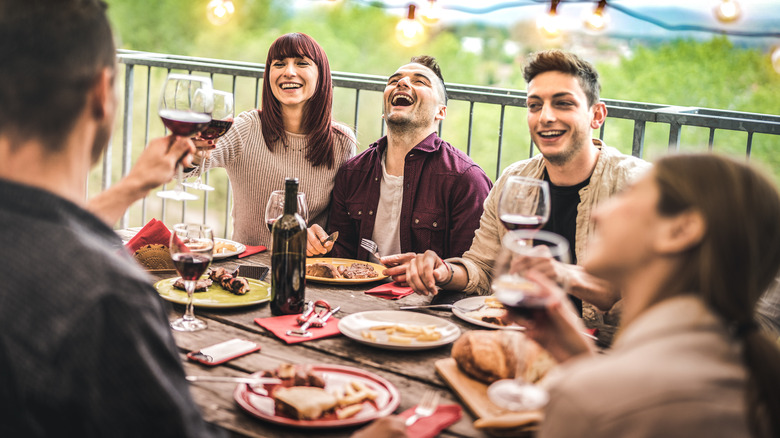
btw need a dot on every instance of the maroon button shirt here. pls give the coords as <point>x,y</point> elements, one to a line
<point>442,201</point>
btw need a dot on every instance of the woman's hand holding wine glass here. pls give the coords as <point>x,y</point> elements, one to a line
<point>192,247</point>
<point>524,259</point>
<point>221,121</point>
<point>185,109</point>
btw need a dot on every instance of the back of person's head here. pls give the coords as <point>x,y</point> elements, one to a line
<point>430,62</point>
<point>52,53</point>
<point>317,111</point>
<point>737,258</point>
<point>565,62</point>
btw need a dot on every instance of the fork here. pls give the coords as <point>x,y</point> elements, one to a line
<point>426,408</point>
<point>371,246</point>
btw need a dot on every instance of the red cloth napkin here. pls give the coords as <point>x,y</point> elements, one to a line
<point>390,291</point>
<point>429,427</point>
<point>252,250</point>
<point>279,325</point>
<point>153,233</point>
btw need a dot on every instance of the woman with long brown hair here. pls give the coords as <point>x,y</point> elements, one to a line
<point>293,134</point>
<point>691,246</point>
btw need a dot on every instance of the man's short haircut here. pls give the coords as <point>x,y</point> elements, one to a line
<point>51,53</point>
<point>565,62</point>
<point>430,62</point>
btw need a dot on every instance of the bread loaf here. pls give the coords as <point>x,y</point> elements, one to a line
<point>493,355</point>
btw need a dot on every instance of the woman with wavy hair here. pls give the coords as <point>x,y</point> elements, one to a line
<point>691,246</point>
<point>293,134</point>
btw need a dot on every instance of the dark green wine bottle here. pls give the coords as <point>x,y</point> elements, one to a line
<point>288,259</point>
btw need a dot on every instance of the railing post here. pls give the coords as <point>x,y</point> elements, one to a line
<point>127,127</point>
<point>674,136</point>
<point>638,146</point>
<point>357,111</point>
<point>500,141</point>
<point>471,128</point>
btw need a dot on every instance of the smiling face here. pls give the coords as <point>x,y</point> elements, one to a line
<point>413,98</point>
<point>559,118</point>
<point>293,80</point>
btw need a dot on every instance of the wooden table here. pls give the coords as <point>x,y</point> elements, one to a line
<point>412,372</point>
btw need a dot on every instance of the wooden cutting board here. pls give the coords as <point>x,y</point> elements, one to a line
<point>491,418</point>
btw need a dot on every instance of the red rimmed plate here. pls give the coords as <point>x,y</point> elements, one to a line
<point>335,377</point>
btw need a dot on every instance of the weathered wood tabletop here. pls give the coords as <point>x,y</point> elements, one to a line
<point>412,372</point>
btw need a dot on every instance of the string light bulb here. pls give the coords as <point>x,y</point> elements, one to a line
<point>727,11</point>
<point>409,31</point>
<point>597,20</point>
<point>549,24</point>
<point>430,13</point>
<point>219,12</point>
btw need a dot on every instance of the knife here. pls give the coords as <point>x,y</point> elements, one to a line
<point>332,238</point>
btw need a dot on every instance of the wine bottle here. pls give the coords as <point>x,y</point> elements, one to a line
<point>288,257</point>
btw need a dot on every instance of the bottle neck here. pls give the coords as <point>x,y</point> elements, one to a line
<point>291,198</point>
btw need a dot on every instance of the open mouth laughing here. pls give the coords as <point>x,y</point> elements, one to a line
<point>551,134</point>
<point>290,86</point>
<point>402,99</point>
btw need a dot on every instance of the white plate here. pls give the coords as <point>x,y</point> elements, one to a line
<point>472,302</point>
<point>240,247</point>
<point>353,326</point>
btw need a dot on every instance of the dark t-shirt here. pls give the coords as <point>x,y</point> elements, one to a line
<point>564,201</point>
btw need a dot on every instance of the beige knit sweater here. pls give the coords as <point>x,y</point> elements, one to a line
<point>255,172</point>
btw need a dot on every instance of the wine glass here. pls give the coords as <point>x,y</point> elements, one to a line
<point>524,252</point>
<point>191,246</point>
<point>185,109</point>
<point>274,209</point>
<point>221,120</point>
<point>524,203</point>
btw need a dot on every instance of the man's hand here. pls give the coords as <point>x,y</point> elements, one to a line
<point>424,271</point>
<point>157,163</point>
<point>314,237</point>
<point>386,427</point>
<point>397,265</point>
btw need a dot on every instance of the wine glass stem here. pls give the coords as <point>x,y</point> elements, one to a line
<point>189,313</point>
<point>202,165</point>
<point>179,177</point>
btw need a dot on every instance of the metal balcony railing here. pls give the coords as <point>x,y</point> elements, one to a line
<point>478,108</point>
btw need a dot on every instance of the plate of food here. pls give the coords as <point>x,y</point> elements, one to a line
<point>489,313</point>
<point>398,330</point>
<point>319,396</point>
<point>224,248</point>
<point>342,271</point>
<point>218,289</point>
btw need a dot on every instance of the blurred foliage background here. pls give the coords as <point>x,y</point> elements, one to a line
<point>358,38</point>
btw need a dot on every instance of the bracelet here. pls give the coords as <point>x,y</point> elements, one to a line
<point>452,273</point>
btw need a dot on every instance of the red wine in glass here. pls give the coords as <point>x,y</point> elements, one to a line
<point>184,123</point>
<point>216,129</point>
<point>521,222</point>
<point>520,296</point>
<point>270,224</point>
<point>190,266</point>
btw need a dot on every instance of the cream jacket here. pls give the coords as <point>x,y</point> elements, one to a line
<point>674,371</point>
<point>613,170</point>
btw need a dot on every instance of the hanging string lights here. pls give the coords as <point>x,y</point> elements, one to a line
<point>550,24</point>
<point>728,11</point>
<point>597,20</point>
<point>430,13</point>
<point>409,31</point>
<point>220,12</point>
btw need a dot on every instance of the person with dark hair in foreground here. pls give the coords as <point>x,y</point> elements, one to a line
<point>85,346</point>
<point>410,190</point>
<point>690,359</point>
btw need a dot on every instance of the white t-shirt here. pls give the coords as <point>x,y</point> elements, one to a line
<point>388,213</point>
